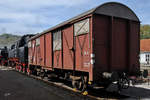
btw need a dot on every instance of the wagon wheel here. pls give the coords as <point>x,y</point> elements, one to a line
<point>80,84</point>
<point>34,72</point>
<point>123,83</point>
<point>106,85</point>
<point>42,74</point>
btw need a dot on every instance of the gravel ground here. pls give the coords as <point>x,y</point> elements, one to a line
<point>15,86</point>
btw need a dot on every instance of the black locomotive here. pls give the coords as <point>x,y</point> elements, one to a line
<point>18,53</point>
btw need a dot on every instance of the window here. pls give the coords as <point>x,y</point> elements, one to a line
<point>147,58</point>
<point>57,40</point>
<point>81,27</point>
<point>37,41</point>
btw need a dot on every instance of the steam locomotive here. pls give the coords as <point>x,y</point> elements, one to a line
<point>18,53</point>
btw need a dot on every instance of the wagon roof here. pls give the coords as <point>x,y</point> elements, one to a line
<point>110,9</point>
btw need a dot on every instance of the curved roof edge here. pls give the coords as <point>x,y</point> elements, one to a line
<point>117,10</point>
<point>110,8</point>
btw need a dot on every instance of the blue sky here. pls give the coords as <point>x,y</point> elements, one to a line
<point>33,16</point>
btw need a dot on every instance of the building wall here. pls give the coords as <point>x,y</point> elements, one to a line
<point>145,58</point>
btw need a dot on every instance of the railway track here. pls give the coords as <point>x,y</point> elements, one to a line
<point>141,90</point>
<point>93,94</point>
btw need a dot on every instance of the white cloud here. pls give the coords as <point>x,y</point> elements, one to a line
<point>26,23</point>
<point>40,3</point>
<point>32,16</point>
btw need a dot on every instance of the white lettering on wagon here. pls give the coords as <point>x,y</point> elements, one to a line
<point>86,64</point>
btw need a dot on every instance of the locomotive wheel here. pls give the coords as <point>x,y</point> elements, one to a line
<point>80,84</point>
<point>24,70</point>
<point>20,69</point>
<point>28,73</point>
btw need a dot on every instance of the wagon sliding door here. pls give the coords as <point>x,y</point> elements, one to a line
<point>38,51</point>
<point>48,50</point>
<point>41,56</point>
<point>82,45</point>
<point>68,52</point>
<point>57,49</point>
<point>33,55</point>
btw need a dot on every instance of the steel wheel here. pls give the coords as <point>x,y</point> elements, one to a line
<point>42,74</point>
<point>124,83</point>
<point>80,84</point>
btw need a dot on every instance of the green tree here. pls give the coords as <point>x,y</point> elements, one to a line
<point>145,31</point>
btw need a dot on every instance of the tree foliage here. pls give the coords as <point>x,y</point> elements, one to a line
<point>8,39</point>
<point>145,31</point>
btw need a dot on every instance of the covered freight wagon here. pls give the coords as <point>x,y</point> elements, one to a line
<point>98,46</point>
